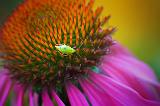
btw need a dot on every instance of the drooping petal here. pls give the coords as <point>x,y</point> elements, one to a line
<point>19,92</point>
<point>58,100</point>
<point>3,71</point>
<point>4,94</point>
<point>3,80</point>
<point>136,67</point>
<point>117,49</point>
<point>33,98</point>
<point>146,70</point>
<point>96,95</point>
<point>76,98</point>
<point>131,75</point>
<point>121,92</point>
<point>46,99</point>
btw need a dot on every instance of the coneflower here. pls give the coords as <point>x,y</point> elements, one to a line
<point>55,52</point>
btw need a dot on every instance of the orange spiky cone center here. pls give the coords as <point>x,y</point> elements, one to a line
<point>30,34</point>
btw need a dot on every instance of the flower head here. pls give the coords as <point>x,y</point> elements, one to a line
<point>56,52</point>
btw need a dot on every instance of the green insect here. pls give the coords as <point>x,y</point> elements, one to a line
<point>64,49</point>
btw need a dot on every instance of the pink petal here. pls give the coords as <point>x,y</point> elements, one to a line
<point>3,80</point>
<point>58,100</point>
<point>146,70</point>
<point>117,49</point>
<point>3,71</point>
<point>33,98</point>
<point>132,76</point>
<point>76,98</point>
<point>96,95</point>
<point>5,93</point>
<point>120,92</point>
<point>19,91</point>
<point>46,99</point>
<point>136,67</point>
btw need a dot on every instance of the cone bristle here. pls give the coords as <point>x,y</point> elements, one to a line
<point>30,34</point>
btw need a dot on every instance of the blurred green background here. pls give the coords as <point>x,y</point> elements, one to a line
<point>137,22</point>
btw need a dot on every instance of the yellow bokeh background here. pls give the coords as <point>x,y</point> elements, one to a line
<point>138,27</point>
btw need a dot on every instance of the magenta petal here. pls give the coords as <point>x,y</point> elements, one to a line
<point>4,94</point>
<point>120,92</point>
<point>46,99</point>
<point>19,91</point>
<point>146,89</point>
<point>33,98</point>
<point>58,100</point>
<point>3,71</point>
<point>135,66</point>
<point>146,71</point>
<point>3,80</point>
<point>132,76</point>
<point>96,95</point>
<point>76,98</point>
<point>117,49</point>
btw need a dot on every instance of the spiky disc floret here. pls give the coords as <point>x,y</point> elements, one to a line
<point>35,27</point>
